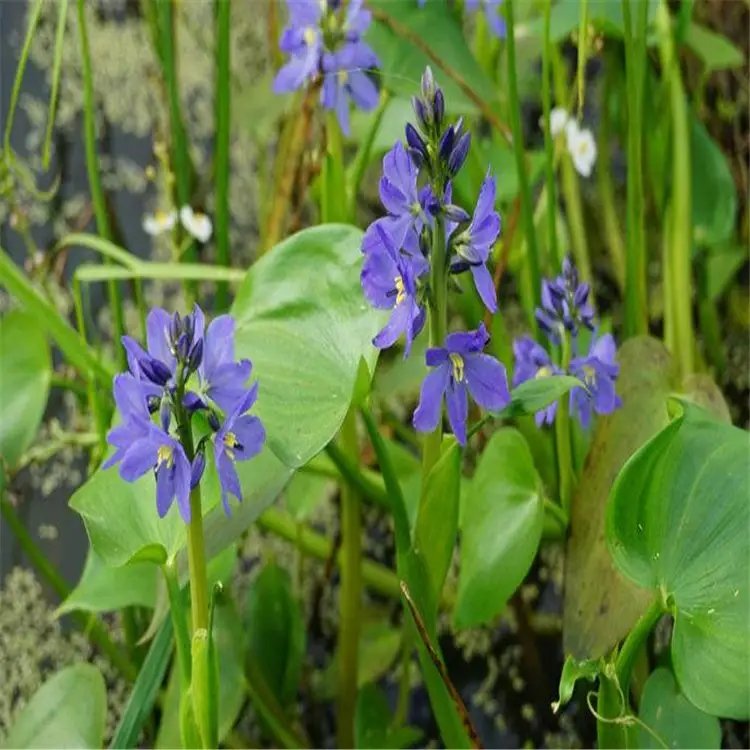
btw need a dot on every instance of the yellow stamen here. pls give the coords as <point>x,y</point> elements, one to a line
<point>589,375</point>
<point>230,442</point>
<point>400,290</point>
<point>543,372</point>
<point>343,76</point>
<point>458,366</point>
<point>310,35</point>
<point>165,455</point>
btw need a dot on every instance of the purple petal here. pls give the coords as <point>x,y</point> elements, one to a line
<point>227,385</point>
<point>485,286</point>
<point>363,91</point>
<point>251,435</point>
<point>458,409</point>
<point>487,381</point>
<point>182,477</point>
<point>165,489</point>
<point>218,347</point>
<point>139,458</point>
<point>228,479</point>
<point>427,414</point>
<point>157,326</point>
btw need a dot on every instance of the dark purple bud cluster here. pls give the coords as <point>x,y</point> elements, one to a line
<point>441,152</point>
<point>565,304</point>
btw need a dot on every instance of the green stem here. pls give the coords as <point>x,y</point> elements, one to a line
<point>88,623</point>
<point>583,24</point>
<point>223,102</point>
<point>636,300</point>
<point>634,641</point>
<point>570,187</point>
<point>527,208</point>
<point>20,69</point>
<point>554,259</point>
<point>62,14</point>
<point>352,473</point>
<point>562,438</point>
<point>179,622</point>
<point>438,328</point>
<point>94,176</point>
<point>678,234</point>
<point>612,229</point>
<point>350,594</point>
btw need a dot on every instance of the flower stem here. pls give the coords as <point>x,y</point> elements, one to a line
<point>350,595</point>
<point>549,146</point>
<point>438,327</point>
<point>562,437</point>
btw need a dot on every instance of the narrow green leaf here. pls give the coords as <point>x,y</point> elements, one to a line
<point>373,725</point>
<point>276,631</point>
<point>145,690</point>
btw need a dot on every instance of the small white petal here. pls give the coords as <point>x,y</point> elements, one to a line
<point>196,223</point>
<point>582,148</point>
<point>159,222</point>
<point>558,119</point>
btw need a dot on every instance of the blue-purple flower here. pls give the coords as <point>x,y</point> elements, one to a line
<point>389,280</point>
<point>325,41</point>
<point>598,370</point>
<point>531,362</point>
<point>472,246</point>
<point>406,204</point>
<point>240,438</point>
<point>565,304</point>
<point>460,368</point>
<point>184,368</point>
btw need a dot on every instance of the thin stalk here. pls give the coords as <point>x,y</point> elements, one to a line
<point>527,209</point>
<point>571,191</point>
<point>221,162</point>
<point>554,259</point>
<point>88,623</point>
<point>179,623</point>
<point>94,176</point>
<point>62,14</point>
<point>583,25</point>
<point>438,327</point>
<point>612,229</point>
<point>350,593</point>
<point>636,295</point>
<point>334,202</point>
<point>20,69</point>
<point>678,244</point>
<point>614,685</point>
<point>353,474</point>
<point>562,438</point>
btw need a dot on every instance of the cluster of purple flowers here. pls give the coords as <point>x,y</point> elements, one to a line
<point>565,310</point>
<point>186,368</point>
<point>324,40</point>
<point>400,255</point>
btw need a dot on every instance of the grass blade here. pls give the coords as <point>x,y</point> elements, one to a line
<point>146,688</point>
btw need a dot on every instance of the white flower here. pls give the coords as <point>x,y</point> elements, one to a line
<point>582,148</point>
<point>159,222</point>
<point>196,223</point>
<point>558,120</point>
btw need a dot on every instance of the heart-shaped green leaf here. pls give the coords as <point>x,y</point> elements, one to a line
<point>124,527</point>
<point>677,524</point>
<point>69,710</point>
<point>304,322</point>
<point>25,372</point>
<point>672,720</point>
<point>105,589</point>
<point>502,522</point>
